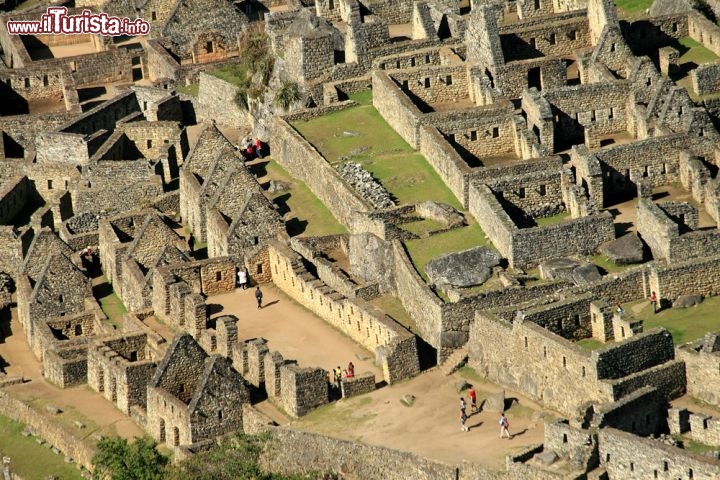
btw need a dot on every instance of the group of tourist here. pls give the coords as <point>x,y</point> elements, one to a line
<point>338,374</point>
<point>251,150</point>
<point>503,421</point>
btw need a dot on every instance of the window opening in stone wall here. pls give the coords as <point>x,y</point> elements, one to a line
<point>162,430</point>
<point>27,83</point>
<point>622,332</point>
<point>632,467</point>
<point>564,362</point>
<point>219,414</point>
<point>666,466</point>
<point>495,132</point>
<point>573,35</point>
<point>405,85</point>
<point>78,330</point>
<point>521,192</point>
<point>607,457</point>
<point>448,80</point>
<point>532,43</point>
<point>645,171</point>
<point>427,58</point>
<point>526,342</point>
<point>133,356</point>
<point>592,115</point>
<point>209,47</point>
<point>427,82</point>
<point>153,16</point>
<point>691,473</point>
<point>412,62</point>
<point>149,143</point>
<point>648,82</point>
<point>702,132</point>
<point>218,276</point>
<point>397,64</point>
<point>552,39</point>
<point>612,113</point>
<point>259,268</point>
<point>331,5</point>
<point>612,47</point>
<point>655,474</point>
<point>583,371</point>
<point>473,135</point>
<point>545,352</point>
<point>537,4</point>
<point>564,437</point>
<point>60,298</point>
<point>176,436</point>
<point>45,80</point>
<point>50,185</point>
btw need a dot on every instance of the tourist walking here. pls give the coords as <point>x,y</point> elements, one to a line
<point>473,399</point>
<point>463,419</point>
<point>242,278</point>
<point>463,406</point>
<point>191,243</point>
<point>654,301</point>
<point>337,373</point>
<point>351,370</point>
<point>504,425</point>
<point>258,297</point>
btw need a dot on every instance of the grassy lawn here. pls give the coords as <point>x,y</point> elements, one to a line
<point>308,215</point>
<point>192,89</point>
<point>361,135</point>
<point>552,220</point>
<point>363,98</point>
<point>693,54</point>
<point>338,415</point>
<point>590,343</point>
<point>425,249</point>
<point>608,265</point>
<point>633,8</point>
<point>685,324</point>
<point>392,307</point>
<point>109,302</point>
<point>422,227</point>
<point>28,458</point>
<point>231,73</point>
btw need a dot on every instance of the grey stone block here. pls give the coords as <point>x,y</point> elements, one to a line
<point>495,402</point>
<point>463,269</point>
<point>686,301</point>
<point>624,250</point>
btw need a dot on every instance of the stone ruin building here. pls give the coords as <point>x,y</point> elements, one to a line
<point>527,111</point>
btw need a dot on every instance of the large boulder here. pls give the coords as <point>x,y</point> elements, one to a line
<point>585,274</point>
<point>495,402</point>
<point>687,301</point>
<point>624,250</point>
<point>463,269</point>
<point>558,269</point>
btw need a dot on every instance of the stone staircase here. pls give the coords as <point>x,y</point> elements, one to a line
<point>456,360</point>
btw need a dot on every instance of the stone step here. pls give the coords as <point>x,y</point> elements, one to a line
<point>456,360</point>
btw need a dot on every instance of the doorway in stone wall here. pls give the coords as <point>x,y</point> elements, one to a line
<point>534,79</point>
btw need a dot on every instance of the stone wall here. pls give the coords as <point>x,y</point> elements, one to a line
<point>627,456</point>
<point>564,376</point>
<point>359,460</point>
<point>305,163</point>
<point>49,430</point>
<point>702,370</point>
<point>362,322</point>
<point>701,428</point>
<point>216,101</point>
<point>693,277</point>
<point>705,79</point>
<point>524,247</point>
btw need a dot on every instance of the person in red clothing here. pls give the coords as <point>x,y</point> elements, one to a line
<point>258,147</point>
<point>250,150</point>
<point>473,399</point>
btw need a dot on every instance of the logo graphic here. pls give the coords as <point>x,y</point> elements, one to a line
<point>56,21</point>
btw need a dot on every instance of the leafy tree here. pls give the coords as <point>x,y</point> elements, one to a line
<point>288,94</point>
<point>117,459</point>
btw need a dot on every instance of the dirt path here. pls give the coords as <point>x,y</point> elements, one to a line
<point>292,330</point>
<point>431,426</point>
